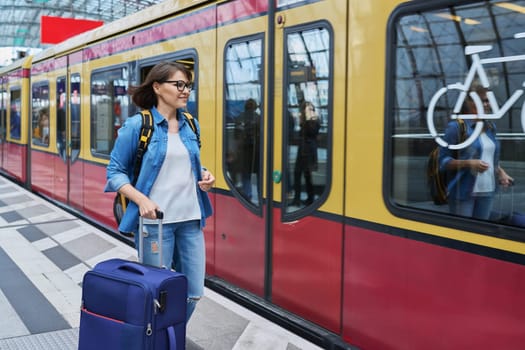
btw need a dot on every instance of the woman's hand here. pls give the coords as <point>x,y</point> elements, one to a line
<point>147,208</point>
<point>504,179</point>
<point>207,181</point>
<point>478,166</point>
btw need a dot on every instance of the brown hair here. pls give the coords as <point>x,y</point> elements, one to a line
<point>143,95</point>
<point>302,110</point>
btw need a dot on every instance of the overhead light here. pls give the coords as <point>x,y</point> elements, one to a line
<point>418,29</point>
<point>458,19</point>
<point>449,16</point>
<point>471,21</point>
<point>512,7</point>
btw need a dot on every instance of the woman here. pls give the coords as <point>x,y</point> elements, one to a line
<point>306,160</point>
<point>43,125</point>
<point>171,178</point>
<point>247,131</point>
<point>474,171</point>
<point>41,131</point>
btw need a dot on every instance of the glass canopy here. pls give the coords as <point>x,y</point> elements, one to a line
<point>21,19</point>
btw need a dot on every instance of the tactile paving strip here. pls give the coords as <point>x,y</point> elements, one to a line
<point>59,340</point>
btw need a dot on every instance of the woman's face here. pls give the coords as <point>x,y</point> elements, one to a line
<point>174,92</point>
<point>44,120</point>
<point>485,101</point>
<point>309,111</point>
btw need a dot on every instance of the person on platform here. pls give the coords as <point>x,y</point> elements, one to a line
<point>171,179</point>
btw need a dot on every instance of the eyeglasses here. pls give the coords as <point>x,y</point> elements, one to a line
<point>180,84</point>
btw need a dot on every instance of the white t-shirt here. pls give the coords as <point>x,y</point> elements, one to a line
<point>174,189</point>
<point>485,181</point>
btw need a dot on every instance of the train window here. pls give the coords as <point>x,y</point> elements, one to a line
<point>308,73</point>
<point>464,61</point>
<point>40,113</point>
<point>74,107</point>
<point>61,116</point>
<point>244,76</point>
<point>15,114</point>
<point>109,105</point>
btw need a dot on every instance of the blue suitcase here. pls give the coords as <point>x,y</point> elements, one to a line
<point>128,305</point>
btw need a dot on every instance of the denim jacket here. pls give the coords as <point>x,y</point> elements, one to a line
<point>461,183</point>
<point>120,168</point>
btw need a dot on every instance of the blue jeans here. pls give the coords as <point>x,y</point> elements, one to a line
<point>182,249</point>
<point>477,207</point>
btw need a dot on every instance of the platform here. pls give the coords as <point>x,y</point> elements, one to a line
<point>44,253</point>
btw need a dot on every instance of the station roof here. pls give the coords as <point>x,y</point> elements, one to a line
<point>20,24</point>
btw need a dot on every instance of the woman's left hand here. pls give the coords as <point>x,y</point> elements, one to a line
<point>207,181</point>
<point>504,179</point>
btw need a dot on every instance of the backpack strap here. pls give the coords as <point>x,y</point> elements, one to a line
<point>145,136</point>
<point>191,121</point>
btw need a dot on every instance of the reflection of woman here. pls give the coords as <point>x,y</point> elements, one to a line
<point>15,122</point>
<point>306,160</point>
<point>247,130</point>
<point>473,171</point>
<point>61,132</point>
<point>41,132</point>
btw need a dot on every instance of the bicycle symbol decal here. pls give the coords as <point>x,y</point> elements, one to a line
<point>463,89</point>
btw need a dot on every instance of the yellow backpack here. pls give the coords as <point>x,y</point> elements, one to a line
<point>438,180</point>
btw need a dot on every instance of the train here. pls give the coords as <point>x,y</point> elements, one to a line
<point>364,258</point>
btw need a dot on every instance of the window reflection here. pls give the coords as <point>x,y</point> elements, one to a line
<point>3,113</point>
<point>14,117</point>
<point>308,73</point>
<point>74,103</point>
<point>61,117</point>
<point>109,107</point>
<point>430,56</point>
<point>243,124</point>
<point>40,114</point>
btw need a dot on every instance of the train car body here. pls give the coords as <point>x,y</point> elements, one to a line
<point>351,252</point>
<point>14,116</point>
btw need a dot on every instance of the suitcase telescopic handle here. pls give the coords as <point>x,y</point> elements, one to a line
<point>160,215</point>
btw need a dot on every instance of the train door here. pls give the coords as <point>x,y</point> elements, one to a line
<point>42,175</point>
<point>73,134</point>
<point>14,152</point>
<point>68,172</point>
<point>241,220</point>
<point>61,162</point>
<point>308,159</point>
<point>279,229</point>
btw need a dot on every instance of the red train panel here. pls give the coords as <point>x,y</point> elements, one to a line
<point>42,175</point>
<point>15,161</point>
<point>97,204</point>
<point>239,245</point>
<point>402,293</point>
<point>307,269</point>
